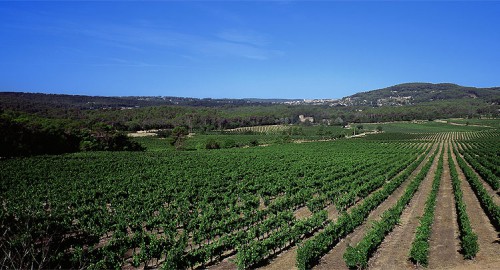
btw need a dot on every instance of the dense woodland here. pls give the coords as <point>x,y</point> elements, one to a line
<point>67,123</point>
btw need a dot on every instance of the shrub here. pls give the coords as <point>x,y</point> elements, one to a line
<point>230,143</point>
<point>212,144</point>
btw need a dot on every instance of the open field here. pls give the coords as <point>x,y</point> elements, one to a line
<point>354,203</point>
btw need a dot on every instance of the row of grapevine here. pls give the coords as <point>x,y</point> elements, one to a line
<point>258,250</point>
<point>484,167</point>
<point>259,129</point>
<point>491,209</point>
<point>356,183</point>
<point>186,209</point>
<point>357,256</point>
<point>468,239</point>
<point>311,250</point>
<point>287,203</point>
<point>366,185</point>
<point>419,252</point>
<point>214,250</point>
<point>484,148</point>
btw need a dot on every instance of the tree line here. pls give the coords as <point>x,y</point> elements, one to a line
<point>26,135</point>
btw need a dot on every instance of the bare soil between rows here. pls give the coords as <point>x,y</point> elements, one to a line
<point>444,243</point>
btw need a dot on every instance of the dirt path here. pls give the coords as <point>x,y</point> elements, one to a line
<point>394,250</point>
<point>334,258</point>
<point>488,238</point>
<point>443,242</point>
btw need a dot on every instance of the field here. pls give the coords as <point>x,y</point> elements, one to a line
<point>418,194</point>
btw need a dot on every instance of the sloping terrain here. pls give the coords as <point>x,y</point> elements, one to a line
<point>414,93</point>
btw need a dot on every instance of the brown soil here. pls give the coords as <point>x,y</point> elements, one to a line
<point>396,246</point>
<point>226,264</point>
<point>262,205</point>
<point>332,211</point>
<point>444,243</point>
<point>285,260</point>
<point>334,258</point>
<point>488,238</point>
<point>302,213</point>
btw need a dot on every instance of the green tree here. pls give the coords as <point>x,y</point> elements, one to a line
<point>212,144</point>
<point>321,131</point>
<point>178,136</point>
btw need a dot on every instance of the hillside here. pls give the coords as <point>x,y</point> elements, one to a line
<point>35,102</point>
<point>414,93</point>
<point>423,102</point>
<point>397,95</point>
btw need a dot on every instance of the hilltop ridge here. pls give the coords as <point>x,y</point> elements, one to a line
<point>413,93</point>
<point>397,95</point>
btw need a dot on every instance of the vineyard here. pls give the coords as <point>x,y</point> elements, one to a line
<point>387,201</point>
<point>260,129</point>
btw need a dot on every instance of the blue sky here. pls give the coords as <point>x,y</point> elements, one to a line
<point>236,49</point>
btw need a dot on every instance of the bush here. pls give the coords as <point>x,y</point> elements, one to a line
<point>212,144</point>
<point>164,133</point>
<point>108,141</point>
<point>230,143</point>
<point>43,136</point>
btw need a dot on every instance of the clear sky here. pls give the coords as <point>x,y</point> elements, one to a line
<point>236,49</point>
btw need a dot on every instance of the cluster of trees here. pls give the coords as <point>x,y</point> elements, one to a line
<point>25,135</point>
<point>164,115</point>
<point>51,124</point>
<point>425,92</point>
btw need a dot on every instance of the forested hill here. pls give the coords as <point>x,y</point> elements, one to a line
<point>398,95</point>
<point>35,102</point>
<point>414,93</point>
